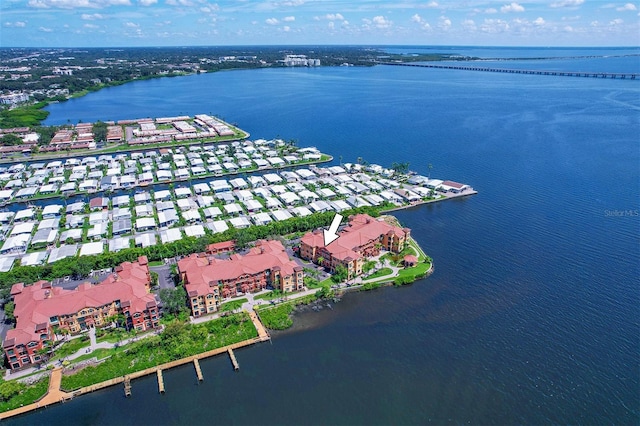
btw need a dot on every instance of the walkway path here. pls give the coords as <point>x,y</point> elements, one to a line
<point>53,395</point>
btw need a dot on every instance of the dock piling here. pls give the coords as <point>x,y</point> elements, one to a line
<point>196,363</point>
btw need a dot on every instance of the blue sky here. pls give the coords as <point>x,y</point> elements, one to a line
<point>88,23</point>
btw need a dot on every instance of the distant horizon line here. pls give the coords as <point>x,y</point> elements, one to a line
<point>325,45</point>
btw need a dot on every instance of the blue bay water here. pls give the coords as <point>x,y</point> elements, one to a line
<point>531,315</point>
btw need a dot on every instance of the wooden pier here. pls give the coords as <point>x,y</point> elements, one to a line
<point>196,364</point>
<point>127,386</point>
<point>234,361</point>
<point>160,382</point>
<point>591,74</point>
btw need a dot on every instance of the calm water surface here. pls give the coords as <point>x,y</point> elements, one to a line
<point>531,316</point>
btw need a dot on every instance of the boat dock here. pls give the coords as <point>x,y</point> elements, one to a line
<point>160,382</point>
<point>127,386</point>
<point>234,361</point>
<point>196,364</point>
<point>55,394</point>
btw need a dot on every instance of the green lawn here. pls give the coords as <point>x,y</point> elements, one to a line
<point>178,340</point>
<point>70,347</point>
<point>26,395</point>
<point>381,273</point>
<point>233,305</point>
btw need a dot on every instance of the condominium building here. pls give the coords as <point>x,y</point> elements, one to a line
<point>363,237</point>
<point>209,279</point>
<point>39,308</point>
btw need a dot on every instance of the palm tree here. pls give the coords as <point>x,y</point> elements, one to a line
<point>430,167</point>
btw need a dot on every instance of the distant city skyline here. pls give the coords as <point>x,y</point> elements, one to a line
<point>118,23</point>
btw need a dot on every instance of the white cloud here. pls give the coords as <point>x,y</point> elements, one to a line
<point>334,17</point>
<point>286,28</point>
<point>513,7</point>
<point>185,3</point>
<point>491,11</point>
<point>272,21</point>
<point>73,4</point>
<point>331,25</point>
<point>539,21</point>
<point>91,26</point>
<point>419,20</point>
<point>17,24</point>
<point>469,25</point>
<point>292,3</point>
<point>91,17</point>
<point>627,7</point>
<point>381,22</point>
<point>45,30</point>
<point>444,23</point>
<point>568,29</point>
<point>494,26</point>
<point>616,21</point>
<point>147,2</point>
<point>432,5</point>
<point>289,18</point>
<point>131,25</point>
<point>566,3</point>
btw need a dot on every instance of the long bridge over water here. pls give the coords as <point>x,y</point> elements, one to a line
<point>623,76</point>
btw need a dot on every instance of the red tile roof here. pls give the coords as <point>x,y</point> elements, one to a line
<point>361,230</point>
<point>266,255</point>
<point>36,303</point>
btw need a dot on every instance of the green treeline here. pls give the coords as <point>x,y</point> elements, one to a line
<point>80,267</point>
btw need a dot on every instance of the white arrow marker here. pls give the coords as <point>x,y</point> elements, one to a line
<point>330,235</point>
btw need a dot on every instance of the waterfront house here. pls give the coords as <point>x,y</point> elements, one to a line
<point>26,192</point>
<point>142,197</point>
<point>182,192</point>
<point>88,185</point>
<point>52,210</point>
<point>162,195</point>
<point>6,195</point>
<point>201,188</point>
<point>25,214</point>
